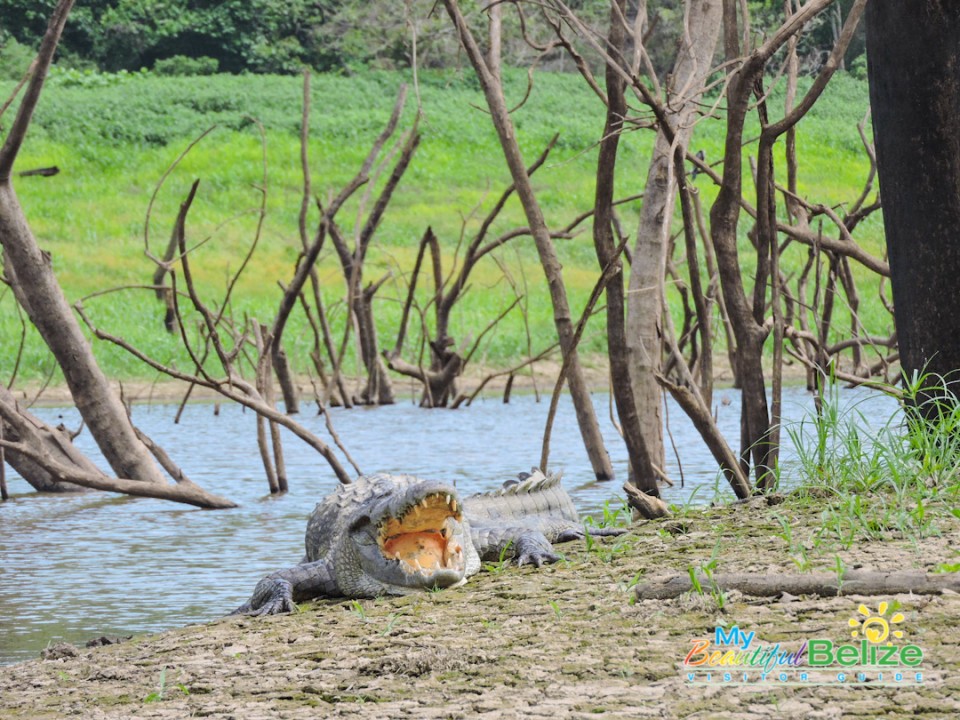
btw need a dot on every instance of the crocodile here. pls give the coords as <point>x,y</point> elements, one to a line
<point>395,534</point>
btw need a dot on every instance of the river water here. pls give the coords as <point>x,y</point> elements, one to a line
<point>77,567</point>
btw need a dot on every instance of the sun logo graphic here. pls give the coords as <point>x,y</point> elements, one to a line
<point>876,628</point>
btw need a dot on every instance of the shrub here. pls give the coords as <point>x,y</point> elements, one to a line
<point>183,65</point>
<point>14,59</point>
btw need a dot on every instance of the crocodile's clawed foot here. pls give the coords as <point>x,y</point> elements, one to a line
<point>279,606</point>
<point>538,558</point>
<point>272,596</point>
<point>535,549</point>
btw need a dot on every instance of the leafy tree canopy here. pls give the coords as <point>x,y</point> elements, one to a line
<point>281,36</point>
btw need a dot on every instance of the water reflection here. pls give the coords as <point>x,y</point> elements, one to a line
<point>78,567</point>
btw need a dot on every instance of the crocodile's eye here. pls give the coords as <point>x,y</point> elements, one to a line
<point>360,523</point>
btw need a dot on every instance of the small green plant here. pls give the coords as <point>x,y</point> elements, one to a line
<point>800,559</point>
<point>161,688</point>
<point>719,597</point>
<point>392,620</point>
<point>502,561</point>
<point>556,609</point>
<point>949,567</point>
<point>588,539</point>
<point>839,568</point>
<point>786,530</point>
<point>356,607</point>
<point>630,584</point>
<point>616,513</point>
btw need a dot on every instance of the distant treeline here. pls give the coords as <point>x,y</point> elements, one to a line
<point>282,36</point>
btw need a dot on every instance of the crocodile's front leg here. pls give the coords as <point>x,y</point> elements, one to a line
<point>280,591</point>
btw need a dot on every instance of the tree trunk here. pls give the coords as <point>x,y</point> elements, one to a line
<point>643,465</point>
<point>644,306</point>
<point>724,218</point>
<point>379,388</point>
<point>30,273</point>
<point>915,94</point>
<point>488,75</point>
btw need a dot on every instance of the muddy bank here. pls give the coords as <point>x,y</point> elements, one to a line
<point>563,641</point>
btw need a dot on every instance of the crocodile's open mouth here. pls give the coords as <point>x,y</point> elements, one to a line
<point>422,539</point>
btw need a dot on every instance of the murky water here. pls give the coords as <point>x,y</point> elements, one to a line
<point>74,568</point>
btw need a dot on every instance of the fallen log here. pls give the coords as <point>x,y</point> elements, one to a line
<point>647,506</point>
<point>852,582</point>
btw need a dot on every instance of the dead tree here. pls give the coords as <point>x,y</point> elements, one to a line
<point>645,451</point>
<point>748,315</point>
<point>29,272</point>
<point>224,344</point>
<point>802,319</point>
<point>487,69</point>
<point>682,93</point>
<point>335,392</point>
<point>58,441</point>
<point>378,389</point>
<point>447,361</point>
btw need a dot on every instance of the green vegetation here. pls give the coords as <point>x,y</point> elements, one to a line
<point>901,481</point>
<point>280,36</point>
<point>114,135</point>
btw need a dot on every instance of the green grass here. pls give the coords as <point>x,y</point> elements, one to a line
<point>901,480</point>
<point>114,136</point>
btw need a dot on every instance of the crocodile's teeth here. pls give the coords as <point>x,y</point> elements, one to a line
<point>453,503</point>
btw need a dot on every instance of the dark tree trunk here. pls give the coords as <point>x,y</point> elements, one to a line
<point>379,389</point>
<point>643,459</point>
<point>915,94</point>
<point>488,73</point>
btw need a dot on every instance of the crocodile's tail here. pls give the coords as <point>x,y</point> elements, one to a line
<point>531,494</point>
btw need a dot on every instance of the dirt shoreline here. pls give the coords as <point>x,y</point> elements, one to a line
<point>541,379</point>
<point>563,641</point>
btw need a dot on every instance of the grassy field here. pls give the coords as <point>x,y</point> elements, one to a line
<point>114,136</point>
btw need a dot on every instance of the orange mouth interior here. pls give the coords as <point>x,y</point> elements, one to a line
<point>422,539</point>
